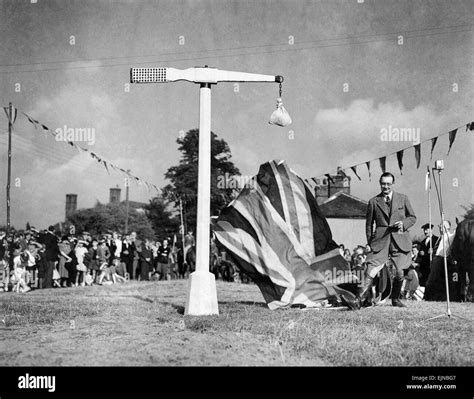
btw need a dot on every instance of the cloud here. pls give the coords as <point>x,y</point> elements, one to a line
<point>354,134</point>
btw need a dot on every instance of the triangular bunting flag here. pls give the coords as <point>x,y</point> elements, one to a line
<point>433,143</point>
<point>354,169</point>
<point>368,169</point>
<point>400,160</point>
<point>106,168</point>
<point>329,177</point>
<point>417,155</point>
<point>34,122</point>
<point>470,126</point>
<point>452,137</point>
<point>382,163</point>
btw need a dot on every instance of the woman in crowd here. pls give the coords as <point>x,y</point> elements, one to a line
<point>92,260</point>
<point>65,250</point>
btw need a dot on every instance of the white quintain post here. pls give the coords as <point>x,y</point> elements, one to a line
<point>202,294</point>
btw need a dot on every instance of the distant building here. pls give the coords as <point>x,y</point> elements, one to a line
<point>71,205</point>
<point>115,195</point>
<point>346,218</point>
<point>326,186</point>
<point>344,212</point>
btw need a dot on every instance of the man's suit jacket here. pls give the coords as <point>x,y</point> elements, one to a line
<point>378,213</point>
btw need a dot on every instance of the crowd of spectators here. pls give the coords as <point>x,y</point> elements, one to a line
<point>44,259</point>
<point>357,257</point>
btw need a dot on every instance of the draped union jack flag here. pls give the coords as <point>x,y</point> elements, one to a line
<point>275,232</point>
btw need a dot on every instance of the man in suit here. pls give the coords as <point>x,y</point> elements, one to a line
<point>51,256</point>
<point>427,253</point>
<point>136,248</point>
<point>392,215</point>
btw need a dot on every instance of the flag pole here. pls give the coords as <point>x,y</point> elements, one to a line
<point>9,168</point>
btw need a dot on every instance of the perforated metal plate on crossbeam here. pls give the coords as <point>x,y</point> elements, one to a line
<point>148,75</point>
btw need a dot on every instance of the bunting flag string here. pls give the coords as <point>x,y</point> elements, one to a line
<point>94,156</point>
<point>417,147</point>
<point>382,160</point>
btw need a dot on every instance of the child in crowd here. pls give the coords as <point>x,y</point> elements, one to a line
<point>20,262</point>
<point>81,252</point>
<point>117,271</point>
<point>411,282</point>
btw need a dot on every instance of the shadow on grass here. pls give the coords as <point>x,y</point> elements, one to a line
<point>180,309</point>
<point>251,303</point>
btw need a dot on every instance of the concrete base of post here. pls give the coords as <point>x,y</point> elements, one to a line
<point>202,295</point>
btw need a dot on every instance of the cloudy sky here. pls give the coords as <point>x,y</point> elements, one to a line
<point>352,68</point>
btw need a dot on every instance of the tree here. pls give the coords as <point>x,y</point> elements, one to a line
<point>101,218</point>
<point>162,221</point>
<point>184,177</point>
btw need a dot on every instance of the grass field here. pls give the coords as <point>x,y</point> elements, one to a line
<point>143,324</point>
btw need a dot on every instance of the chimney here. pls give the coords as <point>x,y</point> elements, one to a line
<point>115,195</point>
<point>71,204</point>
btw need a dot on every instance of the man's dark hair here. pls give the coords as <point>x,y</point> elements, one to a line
<point>387,174</point>
<point>51,228</point>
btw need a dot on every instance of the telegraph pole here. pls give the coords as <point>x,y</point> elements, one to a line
<point>182,225</point>
<point>9,168</point>
<point>127,186</point>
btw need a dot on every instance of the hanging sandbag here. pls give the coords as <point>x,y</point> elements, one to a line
<point>280,116</point>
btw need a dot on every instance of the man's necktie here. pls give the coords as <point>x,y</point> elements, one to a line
<point>387,201</point>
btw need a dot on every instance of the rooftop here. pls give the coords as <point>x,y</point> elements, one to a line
<point>344,206</point>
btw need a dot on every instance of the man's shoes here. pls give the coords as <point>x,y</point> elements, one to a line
<point>396,289</point>
<point>364,290</point>
<point>397,303</point>
<point>350,303</point>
